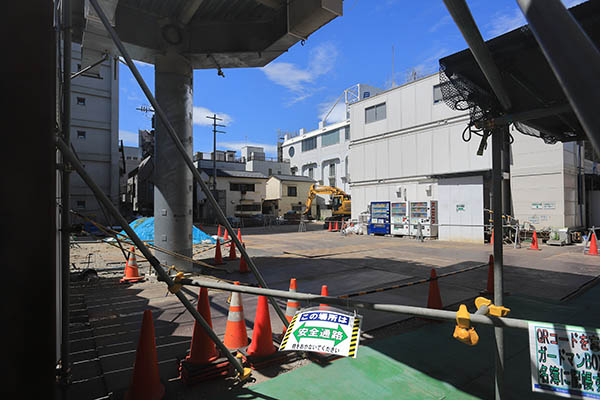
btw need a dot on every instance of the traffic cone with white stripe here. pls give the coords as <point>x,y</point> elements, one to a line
<point>219,232</point>
<point>131,269</point>
<point>236,335</point>
<point>292,305</point>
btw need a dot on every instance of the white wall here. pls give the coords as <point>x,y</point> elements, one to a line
<point>320,157</point>
<point>460,202</point>
<point>268,167</point>
<point>537,182</point>
<point>99,118</point>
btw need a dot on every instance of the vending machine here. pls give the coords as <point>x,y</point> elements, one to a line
<point>424,212</point>
<point>379,223</point>
<point>400,219</point>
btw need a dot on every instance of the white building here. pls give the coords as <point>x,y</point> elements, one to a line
<point>257,161</point>
<point>406,144</point>
<point>95,133</point>
<point>322,154</point>
<point>239,193</point>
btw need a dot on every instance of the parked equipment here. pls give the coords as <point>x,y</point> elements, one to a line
<point>340,202</point>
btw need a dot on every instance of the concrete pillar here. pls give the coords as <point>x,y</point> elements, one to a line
<point>172,179</point>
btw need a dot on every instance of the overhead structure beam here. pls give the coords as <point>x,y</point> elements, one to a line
<point>573,57</point>
<point>188,11</point>
<point>187,159</point>
<point>464,20</point>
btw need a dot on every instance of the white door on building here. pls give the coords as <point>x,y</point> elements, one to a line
<point>460,207</point>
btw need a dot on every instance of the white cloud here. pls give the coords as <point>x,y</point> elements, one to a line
<point>508,21</point>
<point>337,114</point>
<point>237,146</point>
<point>129,138</point>
<point>572,3</point>
<point>200,114</point>
<point>141,64</point>
<point>502,23</point>
<point>300,80</point>
<point>445,20</point>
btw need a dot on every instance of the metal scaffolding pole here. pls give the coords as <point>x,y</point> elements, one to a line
<point>444,315</point>
<point>573,57</point>
<point>459,11</point>
<point>161,273</point>
<point>65,193</point>
<point>161,114</point>
<point>498,137</point>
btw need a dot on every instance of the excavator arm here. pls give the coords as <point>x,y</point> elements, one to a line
<point>319,189</point>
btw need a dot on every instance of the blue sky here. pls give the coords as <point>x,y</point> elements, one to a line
<point>296,89</point>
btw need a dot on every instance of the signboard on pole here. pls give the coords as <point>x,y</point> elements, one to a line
<point>323,330</point>
<point>565,360</point>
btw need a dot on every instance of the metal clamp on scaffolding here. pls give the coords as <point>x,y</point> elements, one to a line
<point>487,308</point>
<point>463,331</point>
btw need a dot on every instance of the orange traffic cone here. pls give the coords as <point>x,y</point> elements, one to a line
<point>236,335</point>
<point>337,227</point>
<point>232,254</point>
<point>145,381</point>
<point>219,231</point>
<point>534,242</point>
<point>492,238</point>
<point>226,238</point>
<point>243,263</point>
<point>324,292</point>
<point>490,280</point>
<point>329,226</point>
<point>262,335</point>
<point>593,251</point>
<point>202,349</point>
<point>239,235</point>
<point>218,256</point>
<point>131,269</point>
<point>292,305</point>
<point>434,299</point>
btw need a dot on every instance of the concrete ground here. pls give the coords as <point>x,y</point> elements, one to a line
<point>106,316</point>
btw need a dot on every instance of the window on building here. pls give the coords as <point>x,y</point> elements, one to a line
<point>437,94</point>
<point>375,113</point>
<point>270,171</point>
<point>330,138</point>
<point>309,144</point>
<point>80,203</point>
<point>294,170</point>
<point>81,101</point>
<point>129,157</point>
<point>292,191</point>
<point>311,172</point>
<point>80,134</point>
<point>291,151</point>
<point>78,67</point>
<point>241,187</point>
<point>332,181</point>
<point>248,207</point>
<point>331,169</point>
<point>347,132</point>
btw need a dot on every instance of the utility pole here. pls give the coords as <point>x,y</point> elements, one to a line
<point>215,131</point>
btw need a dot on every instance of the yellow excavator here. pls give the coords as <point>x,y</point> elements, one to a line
<point>340,201</point>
